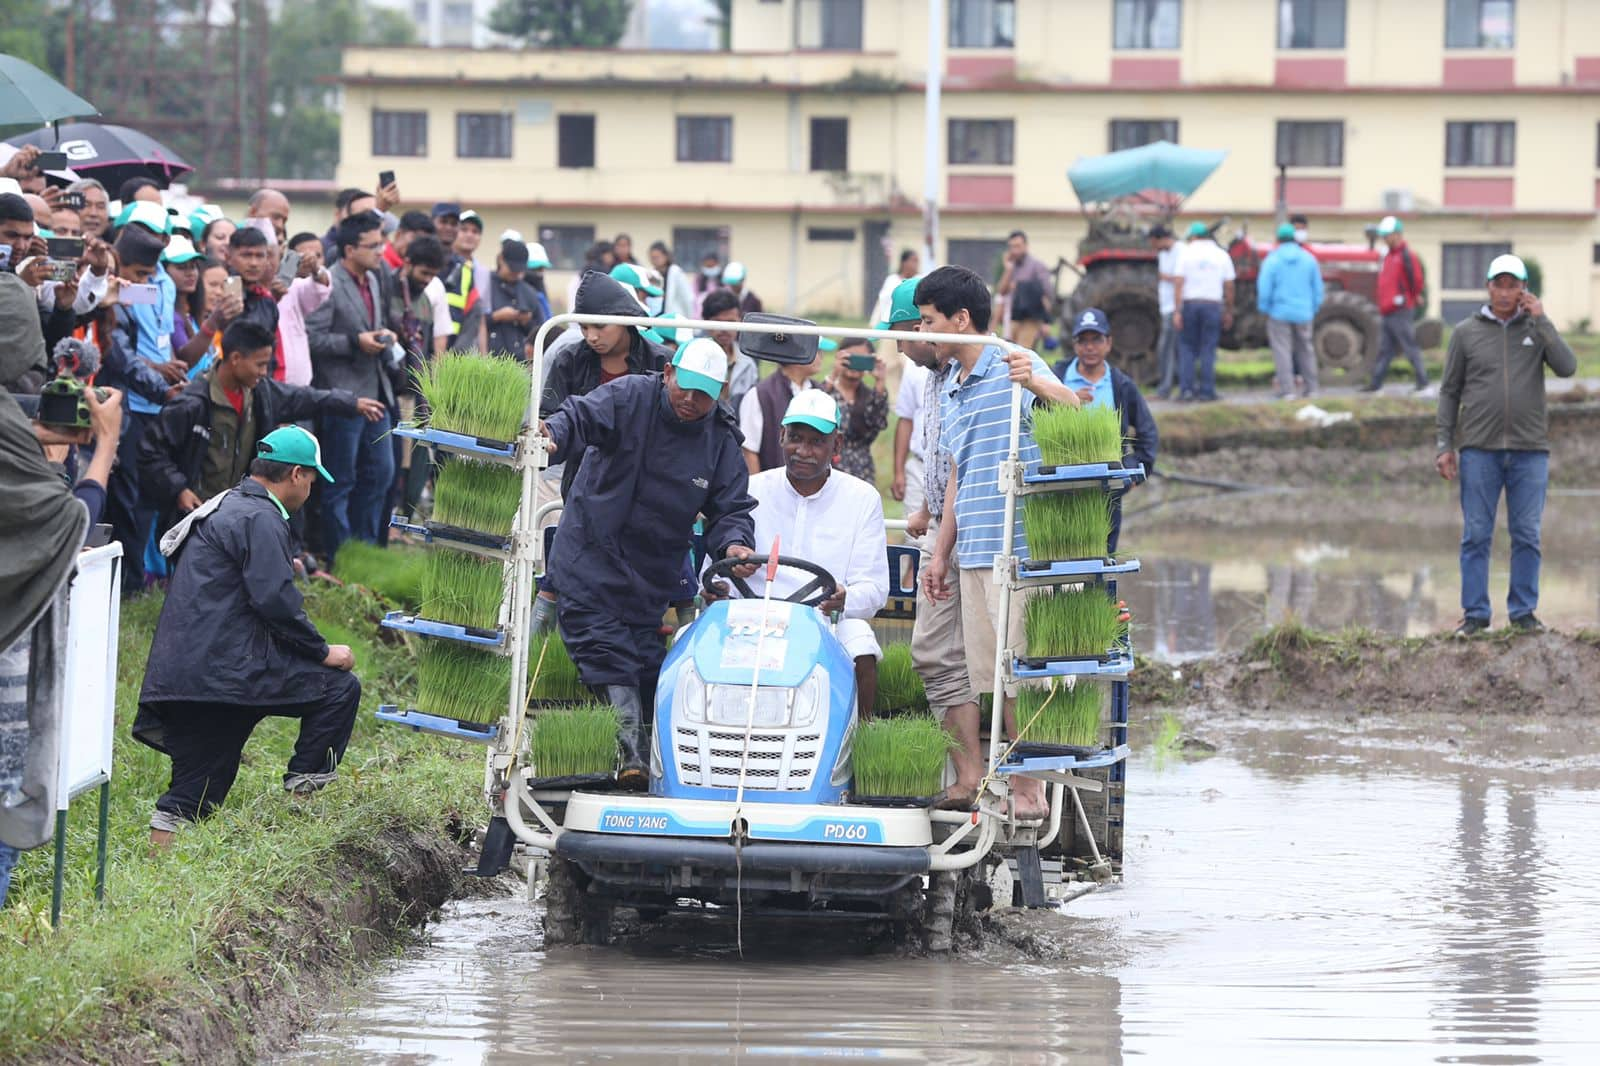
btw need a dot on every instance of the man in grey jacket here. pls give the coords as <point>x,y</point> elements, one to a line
<point>1491,411</point>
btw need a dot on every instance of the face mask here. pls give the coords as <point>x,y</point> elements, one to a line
<point>710,272</point>
<point>1300,235</point>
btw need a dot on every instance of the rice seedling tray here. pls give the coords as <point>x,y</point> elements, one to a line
<point>1016,763</point>
<point>587,782</point>
<point>1031,572</point>
<point>467,540</point>
<point>1042,477</point>
<point>903,802</point>
<point>497,451</point>
<point>1028,749</point>
<point>423,722</point>
<point>1115,665</point>
<point>432,627</point>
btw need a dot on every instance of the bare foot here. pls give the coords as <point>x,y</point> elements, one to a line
<point>160,839</point>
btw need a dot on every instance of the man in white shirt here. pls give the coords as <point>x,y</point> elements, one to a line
<point>827,517</point>
<point>761,410</point>
<point>1169,257</point>
<point>1205,309</point>
<point>910,267</point>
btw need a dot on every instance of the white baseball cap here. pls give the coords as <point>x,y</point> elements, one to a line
<point>1507,264</point>
<point>733,273</point>
<point>538,258</point>
<point>702,366</point>
<point>1389,224</point>
<point>814,408</point>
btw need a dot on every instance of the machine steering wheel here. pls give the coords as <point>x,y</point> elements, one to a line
<point>811,594</point>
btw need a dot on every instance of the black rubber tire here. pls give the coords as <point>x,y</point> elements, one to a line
<point>939,912</point>
<point>1126,292</point>
<point>1345,337</point>
<point>571,915</point>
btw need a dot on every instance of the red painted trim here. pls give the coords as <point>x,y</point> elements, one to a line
<point>981,190</point>
<point>1313,193</point>
<point>1309,72</point>
<point>1480,192</point>
<point>1587,70</point>
<point>1146,71</point>
<point>980,68</point>
<point>1480,72</point>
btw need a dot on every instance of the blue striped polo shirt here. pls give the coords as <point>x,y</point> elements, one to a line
<point>976,426</point>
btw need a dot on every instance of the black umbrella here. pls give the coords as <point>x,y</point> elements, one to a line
<point>111,154</point>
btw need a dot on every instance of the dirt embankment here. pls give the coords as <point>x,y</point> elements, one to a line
<point>1543,675</point>
<point>345,915</point>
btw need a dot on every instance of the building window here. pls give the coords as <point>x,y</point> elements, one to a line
<point>981,141</point>
<point>575,140</point>
<point>1141,24</point>
<point>1311,23</point>
<point>1310,144</point>
<point>828,25</point>
<point>1480,144</point>
<point>691,244</point>
<point>400,133</point>
<point>566,245</point>
<point>1465,266</point>
<point>836,234</point>
<point>1137,132</point>
<point>483,135</point>
<point>1596,255</point>
<point>456,25</point>
<point>1455,312</point>
<point>1480,23</point>
<point>705,139</point>
<point>830,144</point>
<point>983,23</point>
<point>986,258</point>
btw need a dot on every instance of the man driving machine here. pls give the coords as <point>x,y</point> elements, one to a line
<point>657,452</point>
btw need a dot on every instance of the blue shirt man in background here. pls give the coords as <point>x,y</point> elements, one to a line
<point>1289,293</point>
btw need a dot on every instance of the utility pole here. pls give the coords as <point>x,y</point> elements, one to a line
<point>930,135</point>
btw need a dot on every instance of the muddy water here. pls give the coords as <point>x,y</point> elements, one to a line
<point>1307,895</point>
<point>1212,580</point>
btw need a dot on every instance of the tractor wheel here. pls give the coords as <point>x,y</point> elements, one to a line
<point>1345,336</point>
<point>1126,292</point>
<point>571,916</point>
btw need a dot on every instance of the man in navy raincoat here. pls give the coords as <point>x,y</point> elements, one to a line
<point>657,452</point>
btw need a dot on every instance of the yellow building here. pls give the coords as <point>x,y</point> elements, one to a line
<point>800,150</point>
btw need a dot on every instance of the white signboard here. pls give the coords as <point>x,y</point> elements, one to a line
<point>89,698</point>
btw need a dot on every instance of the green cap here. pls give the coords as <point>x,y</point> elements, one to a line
<point>629,275</point>
<point>814,408</point>
<point>291,444</point>
<point>827,344</point>
<point>1199,229</point>
<point>701,366</point>
<point>1285,231</point>
<point>902,305</point>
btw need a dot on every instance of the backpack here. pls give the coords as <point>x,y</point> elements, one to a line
<point>1027,301</point>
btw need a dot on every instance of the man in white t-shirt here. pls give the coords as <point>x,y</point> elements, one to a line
<point>830,518</point>
<point>1205,308</point>
<point>1169,256</point>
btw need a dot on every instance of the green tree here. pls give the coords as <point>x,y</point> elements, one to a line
<point>562,23</point>
<point>23,34</point>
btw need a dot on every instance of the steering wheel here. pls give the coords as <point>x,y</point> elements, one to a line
<point>811,594</point>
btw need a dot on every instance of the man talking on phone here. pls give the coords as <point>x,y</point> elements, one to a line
<point>1492,435</point>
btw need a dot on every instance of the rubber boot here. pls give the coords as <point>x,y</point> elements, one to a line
<point>630,711</point>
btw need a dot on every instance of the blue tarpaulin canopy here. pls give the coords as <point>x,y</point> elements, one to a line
<point>1162,167</point>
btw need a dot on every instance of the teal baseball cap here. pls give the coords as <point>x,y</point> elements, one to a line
<point>669,332</point>
<point>701,366</point>
<point>1285,231</point>
<point>291,444</point>
<point>814,408</point>
<point>902,305</point>
<point>629,275</point>
<point>1199,229</point>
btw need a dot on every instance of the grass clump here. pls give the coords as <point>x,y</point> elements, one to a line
<point>1080,624</point>
<point>395,572</point>
<point>899,685</point>
<point>1055,713</point>
<point>464,589</point>
<point>901,756</point>
<point>570,741</point>
<point>551,671</point>
<point>478,395</point>
<point>462,682</point>
<point>1070,436</point>
<point>1066,525</point>
<point>480,496</point>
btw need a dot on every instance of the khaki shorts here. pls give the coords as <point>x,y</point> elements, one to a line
<point>980,621</point>
<point>937,650</point>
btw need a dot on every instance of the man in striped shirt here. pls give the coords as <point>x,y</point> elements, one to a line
<point>975,417</point>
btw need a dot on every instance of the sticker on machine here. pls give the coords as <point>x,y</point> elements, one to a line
<point>756,629</point>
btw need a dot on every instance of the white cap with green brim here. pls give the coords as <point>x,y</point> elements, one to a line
<point>733,274</point>
<point>1390,225</point>
<point>180,250</point>
<point>702,366</point>
<point>538,258</point>
<point>629,275</point>
<point>814,408</point>
<point>1507,264</point>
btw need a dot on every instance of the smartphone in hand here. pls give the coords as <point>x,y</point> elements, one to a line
<point>140,295</point>
<point>234,286</point>
<point>65,247</point>
<point>289,267</point>
<point>385,179</point>
<point>51,161</point>
<point>861,362</point>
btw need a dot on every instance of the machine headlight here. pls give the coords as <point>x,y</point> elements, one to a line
<point>730,706</point>
<point>809,697</point>
<point>689,698</point>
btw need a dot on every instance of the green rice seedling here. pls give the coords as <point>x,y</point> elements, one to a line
<point>1053,713</point>
<point>480,496</point>
<point>899,684</point>
<point>478,395</point>
<point>551,671</point>
<point>901,756</point>
<point>1066,525</point>
<point>462,682</point>
<point>569,741</point>
<point>1077,624</point>
<point>394,572</point>
<point>464,589</point>
<point>1070,436</point>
